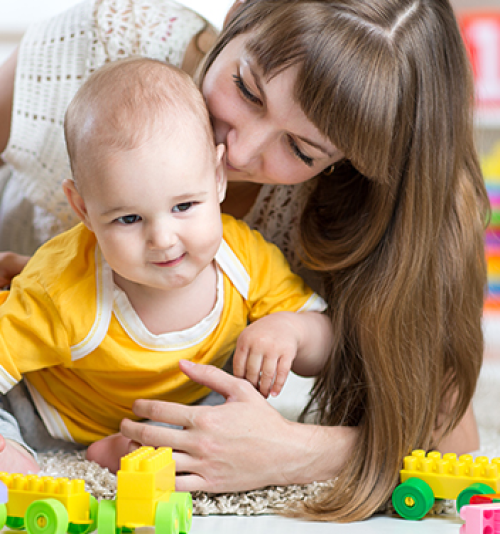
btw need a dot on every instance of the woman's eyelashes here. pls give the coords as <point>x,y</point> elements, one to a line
<point>248,95</point>
<point>298,153</point>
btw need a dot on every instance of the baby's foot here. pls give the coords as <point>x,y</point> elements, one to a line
<point>108,451</point>
<point>14,458</point>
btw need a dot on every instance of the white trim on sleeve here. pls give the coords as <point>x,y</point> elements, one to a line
<point>104,308</point>
<point>51,417</point>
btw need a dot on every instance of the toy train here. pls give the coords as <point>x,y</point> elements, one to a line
<point>425,478</point>
<point>145,496</point>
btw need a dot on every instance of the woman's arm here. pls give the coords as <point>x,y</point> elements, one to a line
<point>241,445</point>
<point>7,74</point>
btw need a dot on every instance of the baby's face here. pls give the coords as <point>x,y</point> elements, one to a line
<point>155,209</point>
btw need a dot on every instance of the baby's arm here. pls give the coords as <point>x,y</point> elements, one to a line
<point>268,348</point>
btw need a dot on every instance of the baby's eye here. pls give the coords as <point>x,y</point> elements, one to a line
<point>183,206</point>
<point>129,219</point>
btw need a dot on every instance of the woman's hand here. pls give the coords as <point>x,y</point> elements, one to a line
<point>11,264</point>
<point>241,445</point>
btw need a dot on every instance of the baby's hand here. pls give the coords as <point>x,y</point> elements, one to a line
<point>265,352</point>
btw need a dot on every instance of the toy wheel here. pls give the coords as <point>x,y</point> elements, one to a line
<point>47,516</point>
<point>185,503</point>
<point>167,518</point>
<point>106,518</point>
<point>15,523</point>
<point>74,528</point>
<point>3,515</point>
<point>474,489</point>
<point>413,499</point>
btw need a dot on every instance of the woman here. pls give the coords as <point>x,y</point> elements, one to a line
<point>356,117</point>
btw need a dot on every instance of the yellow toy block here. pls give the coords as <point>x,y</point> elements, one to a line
<point>449,476</point>
<point>491,164</point>
<point>25,489</point>
<point>146,477</point>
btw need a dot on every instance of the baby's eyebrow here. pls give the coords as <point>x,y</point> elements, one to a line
<point>118,209</point>
<point>190,195</point>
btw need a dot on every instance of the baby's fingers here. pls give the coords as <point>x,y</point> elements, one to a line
<point>282,372</point>
<point>240,358</point>
<point>254,365</point>
<point>267,376</point>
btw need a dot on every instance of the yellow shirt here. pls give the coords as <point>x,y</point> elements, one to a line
<point>85,353</point>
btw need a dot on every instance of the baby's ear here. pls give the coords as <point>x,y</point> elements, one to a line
<point>220,171</point>
<point>76,201</point>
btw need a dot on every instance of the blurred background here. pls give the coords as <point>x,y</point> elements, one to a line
<point>480,24</point>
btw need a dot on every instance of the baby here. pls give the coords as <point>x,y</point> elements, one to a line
<point>103,313</point>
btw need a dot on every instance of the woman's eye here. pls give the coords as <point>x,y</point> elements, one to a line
<point>183,206</point>
<point>129,219</point>
<point>297,152</point>
<point>240,84</point>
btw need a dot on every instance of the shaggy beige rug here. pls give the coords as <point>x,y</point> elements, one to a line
<point>102,484</point>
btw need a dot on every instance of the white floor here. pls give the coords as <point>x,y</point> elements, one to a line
<point>280,525</point>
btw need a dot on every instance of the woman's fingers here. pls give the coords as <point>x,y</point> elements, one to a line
<point>169,413</point>
<point>230,387</point>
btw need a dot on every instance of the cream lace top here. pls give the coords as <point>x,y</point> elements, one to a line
<point>55,57</point>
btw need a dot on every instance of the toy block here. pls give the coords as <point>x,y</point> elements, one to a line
<point>480,519</point>
<point>146,477</point>
<point>448,476</point>
<point>485,499</point>
<point>25,489</point>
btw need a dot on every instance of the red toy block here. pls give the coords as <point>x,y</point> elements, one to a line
<point>485,499</point>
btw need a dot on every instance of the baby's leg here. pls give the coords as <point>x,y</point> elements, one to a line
<point>108,451</point>
<point>14,458</point>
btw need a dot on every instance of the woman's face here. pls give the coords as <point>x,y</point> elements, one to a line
<point>267,135</point>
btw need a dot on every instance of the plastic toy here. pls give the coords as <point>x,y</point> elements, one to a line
<point>146,496</point>
<point>480,519</point>
<point>485,499</point>
<point>426,478</point>
<point>46,505</point>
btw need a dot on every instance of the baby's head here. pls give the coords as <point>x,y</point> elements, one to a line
<point>124,104</point>
<point>147,177</point>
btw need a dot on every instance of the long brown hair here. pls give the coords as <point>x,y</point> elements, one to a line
<point>396,231</point>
